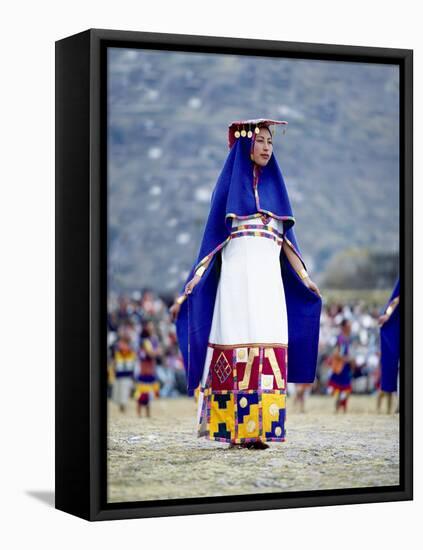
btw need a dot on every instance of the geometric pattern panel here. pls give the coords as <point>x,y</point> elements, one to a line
<point>245,394</point>
<point>273,411</point>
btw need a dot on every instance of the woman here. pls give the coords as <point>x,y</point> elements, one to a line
<point>389,323</point>
<point>247,291</point>
<point>342,365</point>
<point>124,362</point>
<point>146,380</point>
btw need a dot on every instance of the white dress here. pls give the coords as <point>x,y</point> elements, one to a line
<point>242,394</point>
<point>250,302</point>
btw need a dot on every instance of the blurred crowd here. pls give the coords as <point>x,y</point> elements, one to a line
<point>143,321</point>
<point>140,322</point>
<point>364,346</point>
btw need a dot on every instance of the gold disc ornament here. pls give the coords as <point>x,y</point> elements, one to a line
<point>237,134</point>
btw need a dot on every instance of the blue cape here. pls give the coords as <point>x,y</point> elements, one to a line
<point>390,345</point>
<point>235,196</point>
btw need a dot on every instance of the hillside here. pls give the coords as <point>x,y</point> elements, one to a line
<point>168,118</point>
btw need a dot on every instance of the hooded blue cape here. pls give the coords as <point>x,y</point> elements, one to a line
<point>235,196</point>
<point>390,345</point>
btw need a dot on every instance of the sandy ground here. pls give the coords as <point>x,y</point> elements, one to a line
<point>161,457</point>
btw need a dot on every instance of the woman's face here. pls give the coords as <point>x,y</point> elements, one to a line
<point>263,147</point>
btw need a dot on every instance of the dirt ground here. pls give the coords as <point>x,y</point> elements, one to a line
<point>161,457</point>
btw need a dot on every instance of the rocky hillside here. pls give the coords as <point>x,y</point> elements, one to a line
<point>168,118</point>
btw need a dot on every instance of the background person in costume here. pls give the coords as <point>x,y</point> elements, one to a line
<point>342,366</point>
<point>248,290</point>
<point>389,323</point>
<point>124,363</point>
<point>301,391</point>
<point>146,380</point>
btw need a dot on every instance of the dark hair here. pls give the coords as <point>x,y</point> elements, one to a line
<point>267,127</point>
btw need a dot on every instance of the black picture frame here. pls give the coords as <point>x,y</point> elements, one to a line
<point>81,274</point>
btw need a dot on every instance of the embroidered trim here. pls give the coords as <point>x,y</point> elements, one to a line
<point>251,233</point>
<point>249,345</point>
<point>258,227</point>
<point>212,253</point>
<point>288,242</point>
<point>222,244</point>
<point>259,214</point>
<point>256,180</point>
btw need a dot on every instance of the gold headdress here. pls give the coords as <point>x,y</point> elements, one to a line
<point>245,128</point>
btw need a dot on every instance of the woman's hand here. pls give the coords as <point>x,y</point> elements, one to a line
<point>175,307</point>
<point>192,283</point>
<point>382,319</point>
<point>312,286</point>
<point>174,311</point>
